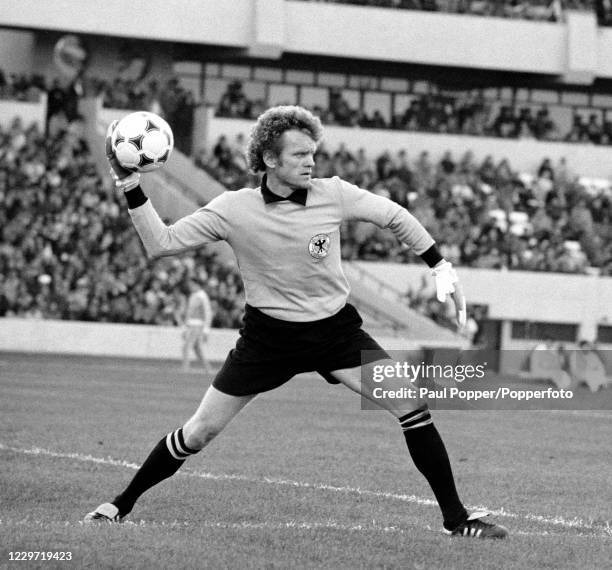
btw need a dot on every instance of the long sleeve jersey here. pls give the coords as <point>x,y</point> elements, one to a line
<point>288,253</point>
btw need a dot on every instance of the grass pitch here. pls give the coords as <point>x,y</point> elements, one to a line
<point>303,478</point>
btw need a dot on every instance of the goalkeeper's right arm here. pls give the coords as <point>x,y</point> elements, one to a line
<point>205,225</point>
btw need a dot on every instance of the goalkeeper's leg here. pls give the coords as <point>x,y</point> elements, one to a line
<point>215,411</point>
<point>426,449</point>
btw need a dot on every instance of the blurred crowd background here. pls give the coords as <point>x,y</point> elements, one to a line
<point>68,250</point>
<point>466,114</point>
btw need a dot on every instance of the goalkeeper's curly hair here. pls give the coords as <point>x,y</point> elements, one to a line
<point>269,127</point>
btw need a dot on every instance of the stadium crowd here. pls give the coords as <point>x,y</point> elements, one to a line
<point>483,214</point>
<point>65,252</point>
<point>167,98</point>
<point>67,249</point>
<point>20,87</point>
<point>542,10</point>
<point>467,114</point>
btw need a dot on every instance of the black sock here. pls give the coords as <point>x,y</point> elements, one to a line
<point>429,455</point>
<point>163,462</point>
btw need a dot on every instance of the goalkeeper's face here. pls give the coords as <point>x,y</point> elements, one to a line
<point>293,165</point>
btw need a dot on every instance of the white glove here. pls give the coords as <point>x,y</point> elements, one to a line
<point>445,277</point>
<point>447,283</point>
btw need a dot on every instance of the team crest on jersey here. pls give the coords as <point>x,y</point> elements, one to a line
<point>318,247</point>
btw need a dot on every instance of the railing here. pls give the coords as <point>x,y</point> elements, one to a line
<point>185,189</point>
<point>377,283</point>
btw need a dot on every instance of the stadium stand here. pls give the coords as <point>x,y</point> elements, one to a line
<point>167,98</point>
<point>66,250</point>
<point>484,215</point>
<point>439,111</point>
<point>544,221</point>
<point>548,11</point>
<point>467,114</point>
<point>565,236</point>
<point>21,87</point>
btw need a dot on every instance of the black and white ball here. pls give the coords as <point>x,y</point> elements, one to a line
<point>142,141</point>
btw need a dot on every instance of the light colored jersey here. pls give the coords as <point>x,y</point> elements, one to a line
<point>288,253</point>
<point>198,312</point>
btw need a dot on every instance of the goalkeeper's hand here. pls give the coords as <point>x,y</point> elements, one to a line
<point>124,179</point>
<point>447,282</point>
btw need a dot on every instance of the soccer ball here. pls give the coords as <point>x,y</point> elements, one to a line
<point>142,141</point>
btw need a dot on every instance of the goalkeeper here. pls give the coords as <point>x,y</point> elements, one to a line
<point>286,237</point>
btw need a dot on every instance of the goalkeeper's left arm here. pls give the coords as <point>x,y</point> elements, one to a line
<point>361,204</point>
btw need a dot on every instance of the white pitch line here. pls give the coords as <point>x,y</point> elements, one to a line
<point>575,523</point>
<point>265,526</point>
<point>243,525</point>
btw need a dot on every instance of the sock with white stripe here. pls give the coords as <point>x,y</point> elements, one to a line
<point>431,459</point>
<point>163,462</point>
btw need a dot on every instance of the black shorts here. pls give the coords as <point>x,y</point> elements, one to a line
<point>271,351</point>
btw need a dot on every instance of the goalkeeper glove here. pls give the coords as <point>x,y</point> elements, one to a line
<point>125,180</point>
<point>447,282</point>
<point>445,277</point>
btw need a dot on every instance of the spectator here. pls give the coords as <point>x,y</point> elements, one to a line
<point>593,129</point>
<point>234,102</point>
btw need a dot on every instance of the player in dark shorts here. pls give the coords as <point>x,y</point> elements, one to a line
<point>286,237</point>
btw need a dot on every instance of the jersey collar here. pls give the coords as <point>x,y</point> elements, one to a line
<point>298,196</point>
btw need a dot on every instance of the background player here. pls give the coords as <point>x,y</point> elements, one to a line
<point>198,318</point>
<point>286,237</point>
